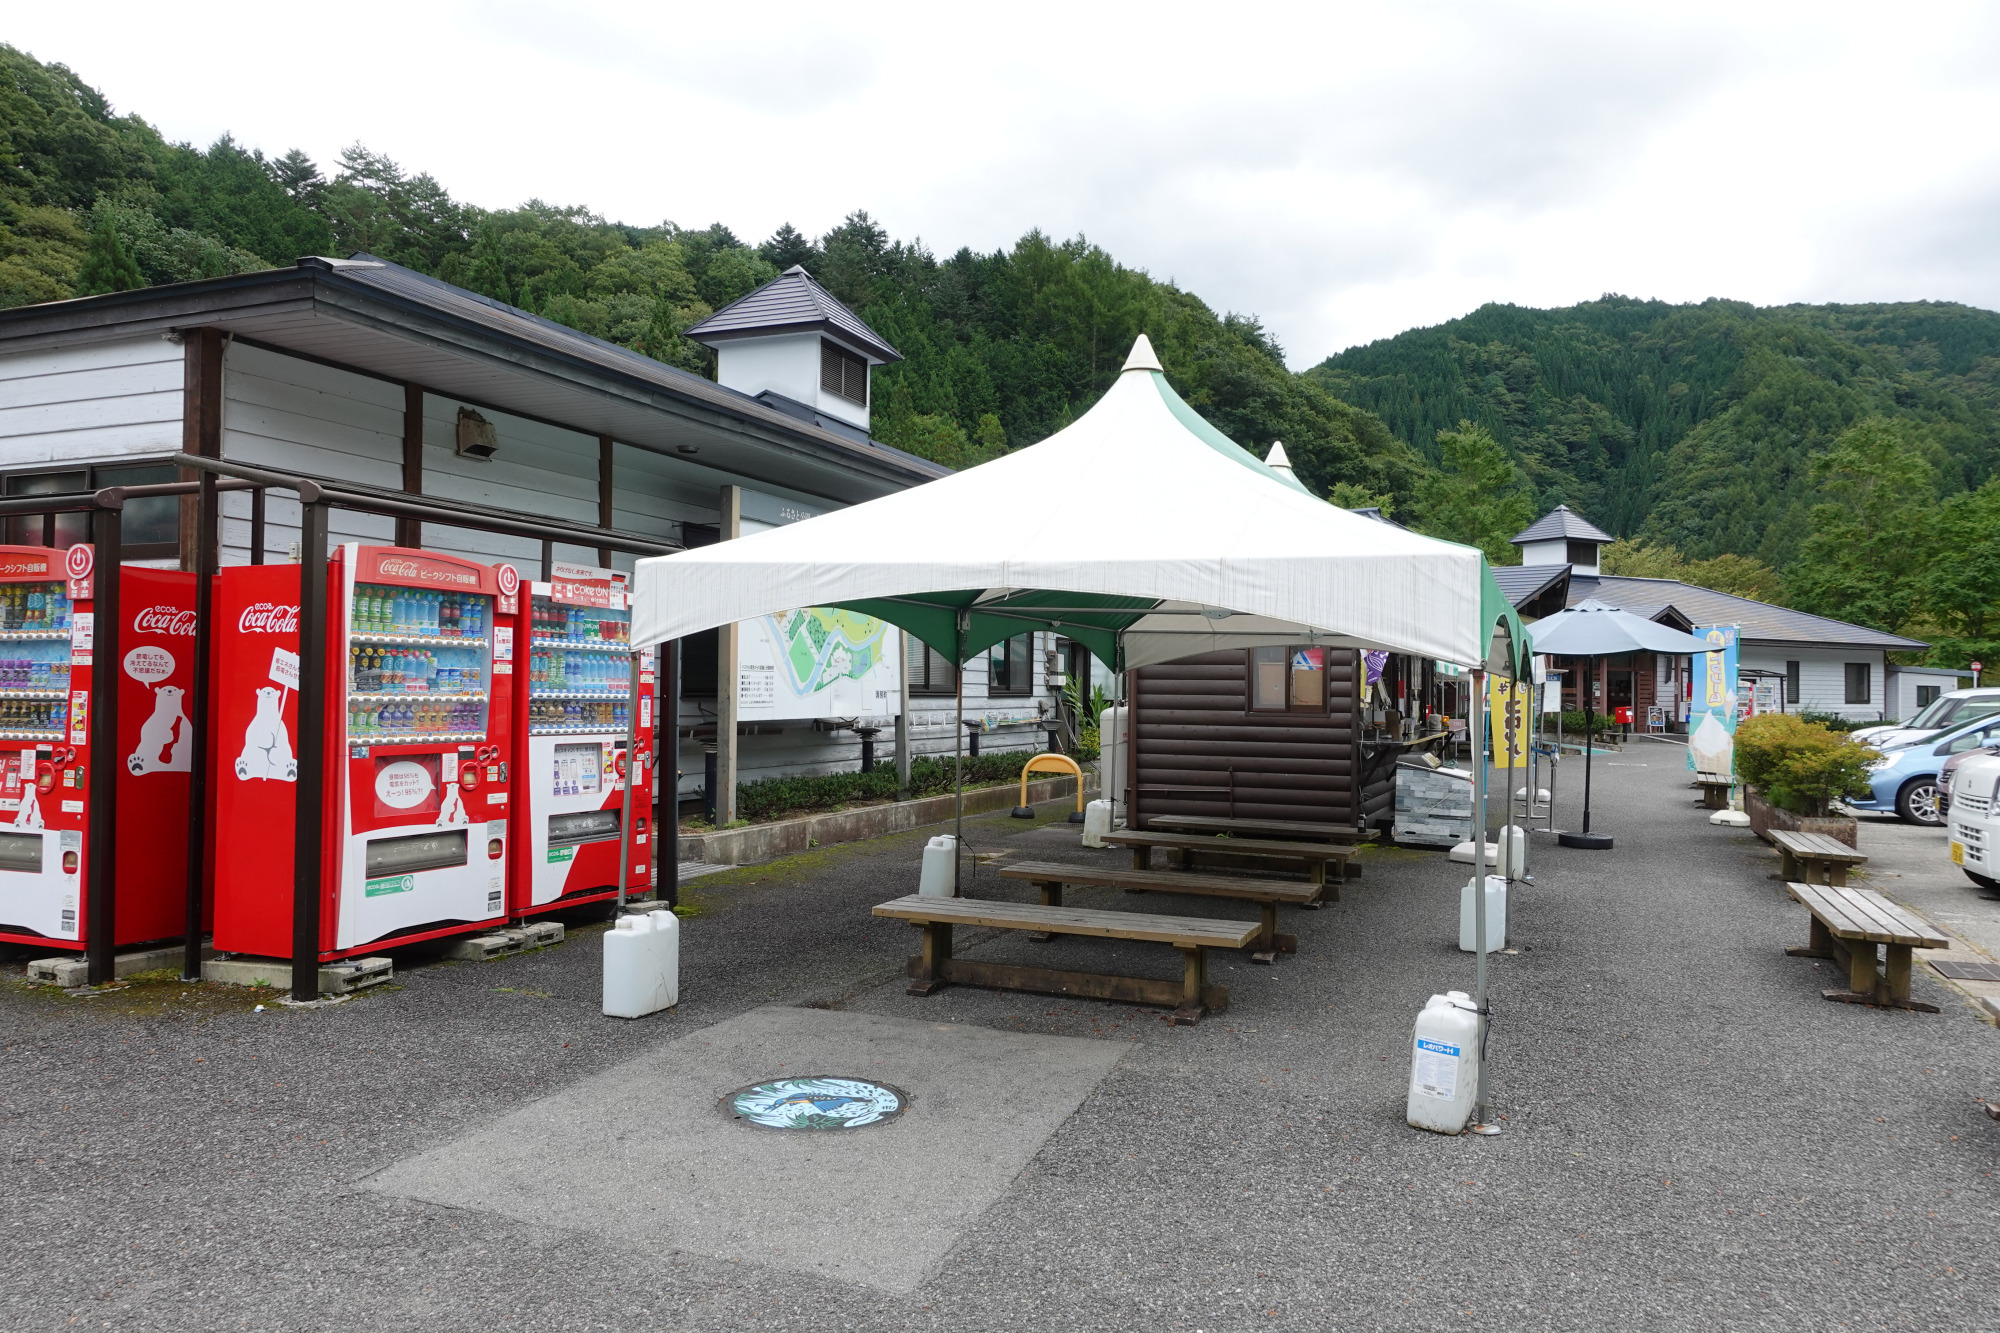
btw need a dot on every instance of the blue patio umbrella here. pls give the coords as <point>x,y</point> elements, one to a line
<point>1591,630</point>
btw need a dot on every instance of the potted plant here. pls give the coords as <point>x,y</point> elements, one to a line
<point>1794,770</point>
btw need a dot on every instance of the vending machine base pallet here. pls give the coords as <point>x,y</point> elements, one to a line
<point>341,978</point>
<point>71,970</point>
<point>501,943</point>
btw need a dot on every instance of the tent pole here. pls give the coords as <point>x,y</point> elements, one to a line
<point>1589,730</point>
<point>958,760</point>
<point>1476,720</point>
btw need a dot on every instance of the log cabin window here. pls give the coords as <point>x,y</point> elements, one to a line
<point>1009,669</point>
<point>1289,680</point>
<point>930,670</point>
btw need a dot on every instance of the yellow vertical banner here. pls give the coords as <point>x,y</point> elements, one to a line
<point>1507,701</point>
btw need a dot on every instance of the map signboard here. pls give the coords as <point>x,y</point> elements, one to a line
<point>814,661</point>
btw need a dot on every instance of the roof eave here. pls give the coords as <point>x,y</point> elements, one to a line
<point>879,352</point>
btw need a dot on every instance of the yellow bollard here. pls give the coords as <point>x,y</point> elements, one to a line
<point>1050,763</point>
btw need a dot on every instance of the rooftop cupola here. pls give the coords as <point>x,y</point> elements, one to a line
<point>1562,537</point>
<point>792,340</point>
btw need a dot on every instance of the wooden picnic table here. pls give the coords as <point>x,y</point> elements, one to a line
<point>1190,997</point>
<point>1847,924</point>
<point>1184,846</point>
<point>1299,829</point>
<point>1050,876</point>
<point>1825,860</point>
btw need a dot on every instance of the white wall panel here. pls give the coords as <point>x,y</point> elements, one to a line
<point>98,403</point>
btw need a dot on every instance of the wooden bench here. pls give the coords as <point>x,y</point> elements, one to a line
<point>1715,789</point>
<point>1824,860</point>
<point>1298,830</point>
<point>1189,998</point>
<point>1184,846</point>
<point>1050,876</point>
<point>1847,924</point>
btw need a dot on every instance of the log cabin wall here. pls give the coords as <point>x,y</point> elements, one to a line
<point>1199,749</point>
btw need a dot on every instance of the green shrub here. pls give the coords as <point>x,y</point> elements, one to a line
<point>1573,723</point>
<point>1798,764</point>
<point>769,798</point>
<point>1832,721</point>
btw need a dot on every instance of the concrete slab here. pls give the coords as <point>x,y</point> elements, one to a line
<point>879,1206</point>
<point>341,978</point>
<point>71,969</point>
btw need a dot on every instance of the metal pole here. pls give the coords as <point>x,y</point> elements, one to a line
<point>903,724</point>
<point>633,768</point>
<point>1589,730</point>
<point>205,523</point>
<point>256,521</point>
<point>958,760</point>
<point>1475,723</point>
<point>667,831</point>
<point>548,559</point>
<point>309,819</point>
<point>101,925</point>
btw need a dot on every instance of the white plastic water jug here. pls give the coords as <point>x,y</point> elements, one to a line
<point>940,873</point>
<point>1096,823</point>
<point>1496,915</point>
<point>642,965</point>
<point>1513,859</point>
<point>1444,1064</point>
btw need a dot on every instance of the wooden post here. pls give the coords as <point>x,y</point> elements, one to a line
<point>410,531</point>
<point>201,425</point>
<point>1860,967</point>
<point>929,976</point>
<point>726,683</point>
<point>1896,973</point>
<point>1194,974</point>
<point>605,450</point>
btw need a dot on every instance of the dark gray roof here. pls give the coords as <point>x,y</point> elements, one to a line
<point>790,303</point>
<point>1560,522</point>
<point>1760,621</point>
<point>1523,583</point>
<point>378,318</point>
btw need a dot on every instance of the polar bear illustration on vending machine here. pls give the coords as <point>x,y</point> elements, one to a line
<point>267,747</point>
<point>163,739</point>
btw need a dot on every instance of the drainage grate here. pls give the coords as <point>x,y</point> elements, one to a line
<point>1965,971</point>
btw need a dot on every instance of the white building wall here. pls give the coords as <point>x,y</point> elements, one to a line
<point>1823,677</point>
<point>1905,681</point>
<point>785,363</point>
<point>96,404</point>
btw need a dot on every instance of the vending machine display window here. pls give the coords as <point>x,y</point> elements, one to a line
<point>578,667</point>
<point>418,665</point>
<point>36,623</point>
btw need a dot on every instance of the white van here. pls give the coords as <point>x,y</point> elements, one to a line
<point>1975,820</point>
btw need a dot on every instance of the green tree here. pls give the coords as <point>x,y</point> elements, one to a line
<point>1347,495</point>
<point>107,265</point>
<point>787,247</point>
<point>1873,535</point>
<point>1477,497</point>
<point>1961,586</point>
<point>1745,576</point>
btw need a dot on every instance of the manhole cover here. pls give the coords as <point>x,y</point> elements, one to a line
<point>817,1102</point>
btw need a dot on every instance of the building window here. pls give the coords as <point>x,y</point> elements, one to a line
<point>1860,679</point>
<point>1008,668</point>
<point>842,372</point>
<point>1928,695</point>
<point>930,670</point>
<point>149,530</point>
<point>1791,682</point>
<point>1288,679</point>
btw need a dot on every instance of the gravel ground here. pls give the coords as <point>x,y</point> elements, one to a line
<point>1694,1138</point>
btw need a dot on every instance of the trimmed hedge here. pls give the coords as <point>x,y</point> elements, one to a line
<point>770,798</point>
<point>1800,766</point>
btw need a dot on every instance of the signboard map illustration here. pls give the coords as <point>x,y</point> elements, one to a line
<point>815,661</point>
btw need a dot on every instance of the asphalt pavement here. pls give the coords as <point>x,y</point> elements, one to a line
<point>1693,1137</point>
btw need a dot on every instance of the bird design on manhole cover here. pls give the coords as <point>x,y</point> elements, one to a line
<point>816,1102</point>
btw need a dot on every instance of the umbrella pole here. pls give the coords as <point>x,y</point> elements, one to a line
<point>1589,731</point>
<point>958,765</point>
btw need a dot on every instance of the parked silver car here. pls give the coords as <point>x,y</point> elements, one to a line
<point>1942,713</point>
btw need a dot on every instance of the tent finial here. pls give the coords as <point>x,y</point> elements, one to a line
<point>1277,460</point>
<point>1142,357</point>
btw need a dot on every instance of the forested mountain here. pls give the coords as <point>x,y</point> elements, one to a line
<point>1840,458</point>
<point>1692,425</point>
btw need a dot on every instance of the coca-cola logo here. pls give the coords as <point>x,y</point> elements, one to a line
<point>268,618</point>
<point>164,620</point>
<point>402,568</point>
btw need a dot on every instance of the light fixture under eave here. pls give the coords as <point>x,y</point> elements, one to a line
<point>687,450</point>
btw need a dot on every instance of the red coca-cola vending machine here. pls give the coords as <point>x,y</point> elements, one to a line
<point>47,666</point>
<point>570,725</point>
<point>419,715</point>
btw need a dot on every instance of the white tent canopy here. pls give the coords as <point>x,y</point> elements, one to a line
<point>1138,519</point>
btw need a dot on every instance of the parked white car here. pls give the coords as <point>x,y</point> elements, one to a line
<point>1975,819</point>
<point>1945,711</point>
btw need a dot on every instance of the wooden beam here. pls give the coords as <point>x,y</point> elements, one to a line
<point>201,420</point>
<point>604,494</point>
<point>410,531</point>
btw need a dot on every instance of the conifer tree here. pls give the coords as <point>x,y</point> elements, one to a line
<point>107,265</point>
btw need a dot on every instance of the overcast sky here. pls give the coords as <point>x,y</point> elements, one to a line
<point>1343,171</point>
